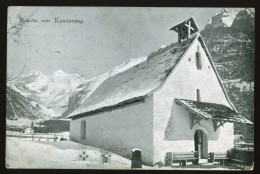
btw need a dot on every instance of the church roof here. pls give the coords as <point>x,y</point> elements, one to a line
<point>212,111</point>
<point>135,82</point>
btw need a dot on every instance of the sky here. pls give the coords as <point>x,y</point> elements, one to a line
<point>107,37</point>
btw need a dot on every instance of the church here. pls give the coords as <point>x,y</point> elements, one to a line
<point>172,102</point>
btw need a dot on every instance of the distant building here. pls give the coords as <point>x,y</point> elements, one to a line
<point>28,131</point>
<point>239,139</point>
<point>172,102</point>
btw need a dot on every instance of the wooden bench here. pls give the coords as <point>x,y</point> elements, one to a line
<point>183,157</point>
<point>221,157</point>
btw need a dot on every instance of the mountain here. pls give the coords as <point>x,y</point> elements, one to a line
<point>230,39</point>
<point>18,106</point>
<point>223,19</point>
<point>84,90</point>
<point>55,95</point>
<point>50,92</point>
<point>244,22</point>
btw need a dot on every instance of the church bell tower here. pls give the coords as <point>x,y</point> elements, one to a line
<point>185,29</point>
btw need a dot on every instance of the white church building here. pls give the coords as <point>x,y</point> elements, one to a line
<point>172,102</point>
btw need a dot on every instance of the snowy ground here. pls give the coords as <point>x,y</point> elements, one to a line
<point>24,153</point>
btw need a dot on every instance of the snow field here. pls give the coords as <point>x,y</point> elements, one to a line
<point>22,153</point>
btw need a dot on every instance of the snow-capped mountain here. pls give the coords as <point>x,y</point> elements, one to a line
<point>232,48</point>
<point>58,93</point>
<point>222,19</point>
<point>84,90</point>
<point>49,92</point>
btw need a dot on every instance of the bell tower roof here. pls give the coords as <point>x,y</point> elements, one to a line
<point>185,29</point>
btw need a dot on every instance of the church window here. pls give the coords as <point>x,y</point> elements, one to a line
<point>198,95</point>
<point>198,59</point>
<point>83,130</point>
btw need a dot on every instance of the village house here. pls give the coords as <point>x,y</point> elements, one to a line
<point>172,102</point>
<point>28,131</point>
<point>239,139</point>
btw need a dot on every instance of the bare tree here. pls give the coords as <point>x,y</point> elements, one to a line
<point>17,25</point>
<point>14,29</point>
<point>14,32</point>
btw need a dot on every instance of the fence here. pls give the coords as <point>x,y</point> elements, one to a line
<point>244,155</point>
<point>38,136</point>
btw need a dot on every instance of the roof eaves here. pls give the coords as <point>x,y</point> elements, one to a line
<point>207,116</point>
<point>191,109</point>
<point>109,108</point>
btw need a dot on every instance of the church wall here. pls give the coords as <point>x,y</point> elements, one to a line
<point>120,130</point>
<point>171,124</point>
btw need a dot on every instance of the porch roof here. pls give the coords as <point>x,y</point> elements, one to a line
<point>212,111</point>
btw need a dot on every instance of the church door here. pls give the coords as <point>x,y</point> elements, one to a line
<point>201,143</point>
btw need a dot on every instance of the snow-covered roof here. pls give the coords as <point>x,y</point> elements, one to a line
<point>135,82</point>
<point>212,111</point>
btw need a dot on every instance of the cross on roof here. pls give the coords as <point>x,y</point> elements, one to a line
<point>185,29</point>
<point>189,27</point>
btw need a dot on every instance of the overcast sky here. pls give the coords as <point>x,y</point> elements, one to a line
<point>107,37</point>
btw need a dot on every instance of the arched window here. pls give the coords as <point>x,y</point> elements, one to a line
<point>198,95</point>
<point>83,130</point>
